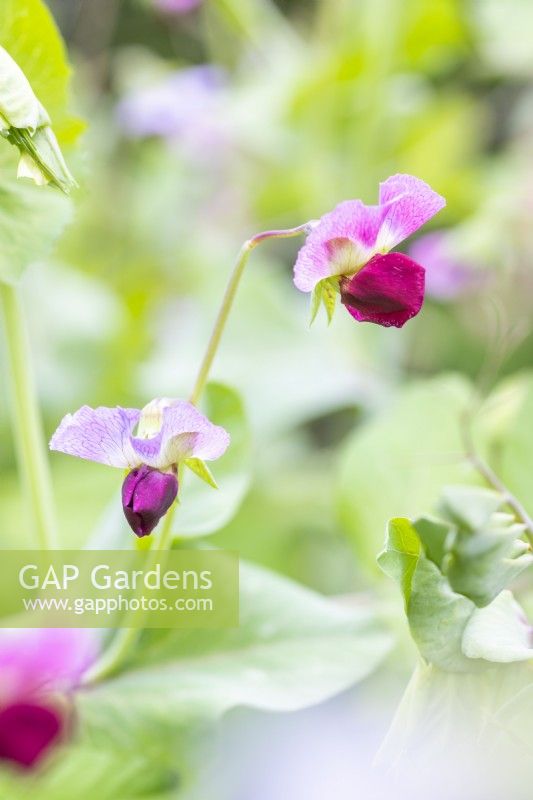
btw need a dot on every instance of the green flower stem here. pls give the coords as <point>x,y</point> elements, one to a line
<point>492,480</point>
<point>27,424</point>
<point>127,637</point>
<point>229,297</point>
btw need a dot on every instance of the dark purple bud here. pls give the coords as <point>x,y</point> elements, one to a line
<point>147,494</point>
<point>27,730</point>
<point>389,290</point>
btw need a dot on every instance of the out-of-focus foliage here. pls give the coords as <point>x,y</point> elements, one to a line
<point>31,221</point>
<point>449,566</point>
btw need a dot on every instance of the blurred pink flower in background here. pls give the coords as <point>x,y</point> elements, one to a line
<point>448,276</point>
<point>182,107</point>
<point>177,6</point>
<point>39,670</point>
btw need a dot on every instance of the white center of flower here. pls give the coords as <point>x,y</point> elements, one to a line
<point>152,417</point>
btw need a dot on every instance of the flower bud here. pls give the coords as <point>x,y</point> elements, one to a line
<point>25,123</point>
<point>147,495</point>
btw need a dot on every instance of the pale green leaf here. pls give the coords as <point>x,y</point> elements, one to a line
<point>499,632</point>
<point>436,614</point>
<point>293,648</point>
<point>31,218</point>
<point>401,554</point>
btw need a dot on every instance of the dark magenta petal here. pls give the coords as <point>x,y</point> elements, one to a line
<point>27,730</point>
<point>389,290</point>
<point>147,494</point>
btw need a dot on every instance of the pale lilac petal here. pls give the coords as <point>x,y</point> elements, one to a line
<point>185,433</point>
<point>388,291</point>
<point>34,661</point>
<point>340,244</point>
<point>407,203</point>
<point>100,434</point>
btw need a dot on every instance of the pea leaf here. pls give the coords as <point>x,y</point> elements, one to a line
<point>293,648</point>
<point>32,218</point>
<point>499,632</point>
<point>448,628</point>
<point>29,34</point>
<point>436,614</point>
<point>487,553</point>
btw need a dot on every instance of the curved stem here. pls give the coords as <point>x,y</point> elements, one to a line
<point>127,636</point>
<point>32,454</point>
<point>229,297</point>
<point>490,477</point>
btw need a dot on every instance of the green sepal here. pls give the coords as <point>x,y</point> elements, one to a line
<point>325,293</point>
<point>316,300</point>
<point>201,469</point>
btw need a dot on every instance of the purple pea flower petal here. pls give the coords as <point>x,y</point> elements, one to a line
<point>106,435</point>
<point>27,731</point>
<point>99,434</point>
<point>389,290</point>
<point>147,495</point>
<point>345,239</point>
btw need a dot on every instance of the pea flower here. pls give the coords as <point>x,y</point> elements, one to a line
<point>184,107</point>
<point>25,123</point>
<point>347,252</point>
<point>168,433</point>
<point>39,669</point>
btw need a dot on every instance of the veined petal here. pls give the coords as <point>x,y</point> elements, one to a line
<point>185,433</point>
<point>388,291</point>
<point>99,434</point>
<point>406,204</point>
<point>341,243</point>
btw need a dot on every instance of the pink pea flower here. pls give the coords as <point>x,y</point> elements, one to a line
<point>39,670</point>
<point>347,252</point>
<point>150,444</point>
